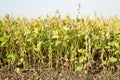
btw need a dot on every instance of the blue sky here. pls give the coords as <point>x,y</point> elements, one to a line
<point>35,8</point>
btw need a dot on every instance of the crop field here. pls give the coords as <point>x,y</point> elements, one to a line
<point>80,44</point>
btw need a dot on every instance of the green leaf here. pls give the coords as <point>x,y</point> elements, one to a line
<point>72,58</point>
<point>87,55</point>
<point>117,52</point>
<point>66,37</point>
<point>55,35</point>
<point>36,78</point>
<point>39,43</point>
<point>2,39</point>
<point>79,66</point>
<point>105,62</point>
<point>29,39</point>
<point>57,43</point>
<point>116,44</point>
<point>17,70</point>
<point>38,46</point>
<point>1,24</point>
<point>81,50</point>
<point>112,59</point>
<point>12,57</point>
<point>20,61</point>
<point>46,43</point>
<point>81,58</point>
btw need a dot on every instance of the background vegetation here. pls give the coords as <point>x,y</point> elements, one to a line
<point>60,43</point>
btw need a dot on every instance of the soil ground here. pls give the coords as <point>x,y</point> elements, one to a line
<point>57,75</point>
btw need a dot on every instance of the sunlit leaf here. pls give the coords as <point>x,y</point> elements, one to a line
<point>105,62</point>
<point>81,58</point>
<point>12,57</point>
<point>17,70</point>
<point>112,59</point>
<point>79,66</point>
<point>72,58</point>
